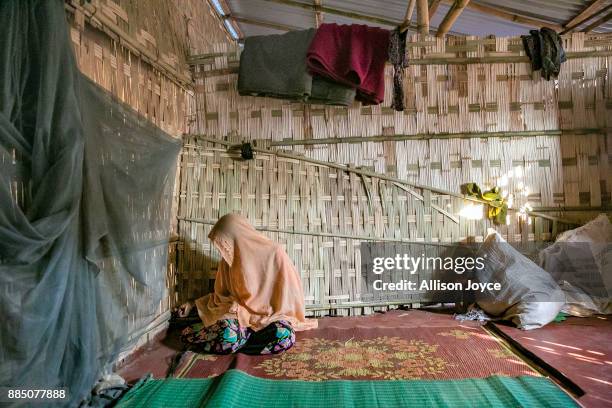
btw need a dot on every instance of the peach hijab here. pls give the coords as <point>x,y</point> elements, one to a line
<point>256,281</point>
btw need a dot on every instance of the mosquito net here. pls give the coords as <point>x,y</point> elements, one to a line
<point>85,202</point>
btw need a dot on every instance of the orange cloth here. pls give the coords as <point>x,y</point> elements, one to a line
<point>256,281</point>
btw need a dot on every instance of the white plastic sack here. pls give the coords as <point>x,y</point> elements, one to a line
<point>529,296</point>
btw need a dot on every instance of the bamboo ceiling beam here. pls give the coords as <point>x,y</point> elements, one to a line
<point>408,15</point>
<point>586,13</point>
<point>338,12</point>
<point>569,28</point>
<point>422,17</point>
<point>449,19</point>
<point>439,61</point>
<point>504,15</point>
<point>261,23</point>
<point>433,7</point>
<point>598,22</point>
<point>227,16</point>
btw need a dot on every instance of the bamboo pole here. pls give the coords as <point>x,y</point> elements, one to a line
<point>322,234</point>
<point>512,17</point>
<point>571,27</point>
<point>422,17</point>
<point>598,22</point>
<point>586,13</point>
<point>500,59</point>
<point>428,136</point>
<point>449,61</point>
<point>453,13</point>
<point>262,23</point>
<point>338,12</point>
<point>318,13</point>
<point>226,16</point>
<point>408,15</point>
<point>433,7</point>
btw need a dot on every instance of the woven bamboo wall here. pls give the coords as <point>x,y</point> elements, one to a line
<point>462,85</point>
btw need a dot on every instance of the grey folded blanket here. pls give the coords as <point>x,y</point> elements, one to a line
<point>275,66</point>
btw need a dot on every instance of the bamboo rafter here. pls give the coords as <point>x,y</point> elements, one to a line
<point>453,13</point>
<point>504,15</point>
<point>570,27</point>
<point>586,13</point>
<point>422,17</point>
<point>433,7</point>
<point>262,23</point>
<point>598,22</point>
<point>350,14</point>
<point>408,15</point>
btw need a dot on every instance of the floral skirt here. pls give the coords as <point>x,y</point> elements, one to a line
<point>227,336</point>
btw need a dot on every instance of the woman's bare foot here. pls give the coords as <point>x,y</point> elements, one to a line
<point>184,309</point>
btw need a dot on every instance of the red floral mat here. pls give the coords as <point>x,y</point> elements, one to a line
<point>578,347</point>
<point>367,351</point>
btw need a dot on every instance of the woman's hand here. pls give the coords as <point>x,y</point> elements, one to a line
<point>184,309</point>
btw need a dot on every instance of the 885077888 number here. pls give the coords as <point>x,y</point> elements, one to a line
<point>34,394</point>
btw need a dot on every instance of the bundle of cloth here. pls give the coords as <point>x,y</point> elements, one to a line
<point>353,55</point>
<point>334,64</point>
<point>544,48</point>
<point>275,66</point>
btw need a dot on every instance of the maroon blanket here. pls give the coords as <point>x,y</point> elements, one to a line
<point>353,55</point>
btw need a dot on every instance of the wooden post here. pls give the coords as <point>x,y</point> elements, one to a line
<point>422,17</point>
<point>453,13</point>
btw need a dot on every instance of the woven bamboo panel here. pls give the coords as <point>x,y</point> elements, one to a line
<point>133,81</point>
<point>460,85</point>
<point>447,98</point>
<point>292,195</point>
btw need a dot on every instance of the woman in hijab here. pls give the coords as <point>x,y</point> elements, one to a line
<point>258,301</point>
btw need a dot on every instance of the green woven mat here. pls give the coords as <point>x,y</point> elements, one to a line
<point>238,389</point>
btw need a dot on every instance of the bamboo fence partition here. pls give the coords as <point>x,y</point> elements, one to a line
<point>474,112</point>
